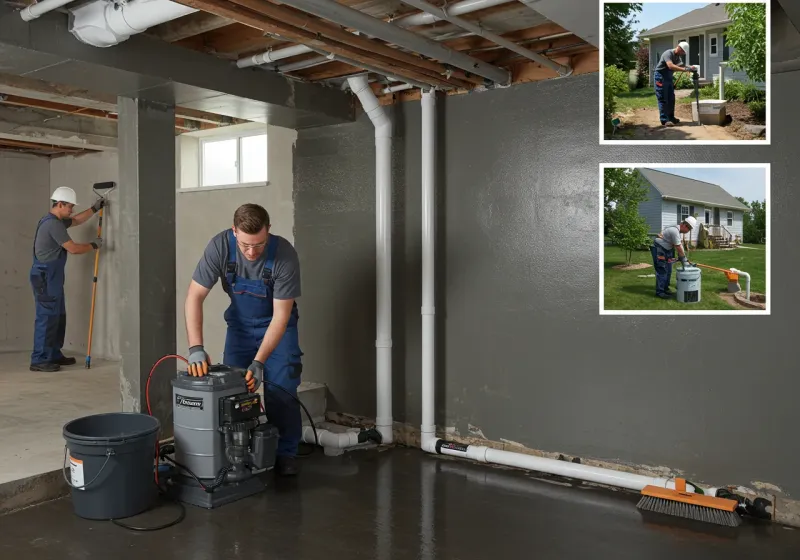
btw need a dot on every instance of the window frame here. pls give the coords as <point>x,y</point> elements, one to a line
<point>713,49</point>
<point>729,218</point>
<point>682,219</point>
<point>239,183</point>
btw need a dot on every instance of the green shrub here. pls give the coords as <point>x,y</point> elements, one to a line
<point>759,109</point>
<point>751,93</point>
<point>615,83</point>
<point>709,92</point>
<point>683,80</point>
<point>734,90</point>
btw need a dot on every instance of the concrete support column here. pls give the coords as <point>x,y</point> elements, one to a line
<point>146,142</point>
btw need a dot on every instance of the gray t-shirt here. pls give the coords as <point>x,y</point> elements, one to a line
<point>670,55</point>
<point>670,238</point>
<point>286,271</point>
<point>50,238</point>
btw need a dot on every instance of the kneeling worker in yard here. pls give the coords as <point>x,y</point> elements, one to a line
<point>260,272</point>
<point>663,251</point>
<point>51,245</point>
<point>669,62</point>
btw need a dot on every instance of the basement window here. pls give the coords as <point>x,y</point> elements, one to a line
<point>730,218</point>
<point>233,161</point>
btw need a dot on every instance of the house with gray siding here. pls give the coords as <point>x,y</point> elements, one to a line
<point>671,198</point>
<point>704,29</point>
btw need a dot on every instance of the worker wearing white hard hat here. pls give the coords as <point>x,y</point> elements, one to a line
<point>663,252</point>
<point>669,63</point>
<point>51,244</point>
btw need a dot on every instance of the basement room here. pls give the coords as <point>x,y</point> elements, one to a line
<point>199,358</point>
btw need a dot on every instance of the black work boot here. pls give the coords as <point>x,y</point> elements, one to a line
<point>45,366</point>
<point>286,466</point>
<point>65,361</point>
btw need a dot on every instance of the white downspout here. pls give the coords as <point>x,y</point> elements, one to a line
<point>747,277</point>
<point>35,10</point>
<point>383,233</point>
<point>428,439</point>
<point>105,24</point>
<point>428,428</point>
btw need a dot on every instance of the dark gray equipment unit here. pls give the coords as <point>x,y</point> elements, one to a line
<point>222,439</point>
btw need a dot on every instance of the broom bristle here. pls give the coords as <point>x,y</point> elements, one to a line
<point>690,511</point>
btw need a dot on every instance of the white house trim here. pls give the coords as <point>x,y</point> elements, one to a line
<point>685,29</point>
<point>716,53</point>
<point>704,202</point>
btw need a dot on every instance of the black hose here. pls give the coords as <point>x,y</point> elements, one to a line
<point>308,414</point>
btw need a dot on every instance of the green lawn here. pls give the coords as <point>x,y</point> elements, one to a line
<point>625,290</point>
<point>641,98</point>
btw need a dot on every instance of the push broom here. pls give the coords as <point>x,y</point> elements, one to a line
<point>101,190</point>
<point>681,503</point>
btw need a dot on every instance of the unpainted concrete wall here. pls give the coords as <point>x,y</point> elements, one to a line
<point>201,214</point>
<point>80,173</point>
<point>522,352</point>
<point>24,192</point>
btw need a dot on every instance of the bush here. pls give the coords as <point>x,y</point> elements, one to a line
<point>751,93</point>
<point>683,80</point>
<point>643,65</point>
<point>615,83</point>
<point>709,92</point>
<point>759,109</point>
<point>734,90</point>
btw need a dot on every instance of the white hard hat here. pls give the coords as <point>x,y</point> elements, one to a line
<point>684,45</point>
<point>64,194</point>
<point>691,221</point>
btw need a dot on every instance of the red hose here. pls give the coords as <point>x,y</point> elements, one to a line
<point>147,395</point>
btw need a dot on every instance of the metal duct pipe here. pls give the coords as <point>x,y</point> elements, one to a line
<point>272,56</point>
<point>35,10</point>
<point>104,24</point>
<point>383,233</point>
<point>463,7</point>
<point>493,37</point>
<point>348,17</point>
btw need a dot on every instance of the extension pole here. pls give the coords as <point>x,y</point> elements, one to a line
<point>94,290</point>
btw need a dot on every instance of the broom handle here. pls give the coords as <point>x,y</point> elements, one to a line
<point>94,287</point>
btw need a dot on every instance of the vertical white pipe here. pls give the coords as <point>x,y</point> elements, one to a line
<point>428,428</point>
<point>747,278</point>
<point>383,245</point>
<point>722,66</point>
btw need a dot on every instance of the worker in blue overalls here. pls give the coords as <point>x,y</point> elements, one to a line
<point>51,244</point>
<point>663,252</point>
<point>260,272</point>
<point>669,62</point>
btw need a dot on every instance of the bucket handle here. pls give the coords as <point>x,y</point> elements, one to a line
<point>109,453</point>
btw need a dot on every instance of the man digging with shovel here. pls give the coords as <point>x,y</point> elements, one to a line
<point>669,63</point>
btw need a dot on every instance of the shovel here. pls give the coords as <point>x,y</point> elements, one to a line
<point>101,190</point>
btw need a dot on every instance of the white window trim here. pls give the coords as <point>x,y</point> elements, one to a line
<point>715,53</point>
<point>732,218</point>
<point>220,138</point>
<point>681,218</point>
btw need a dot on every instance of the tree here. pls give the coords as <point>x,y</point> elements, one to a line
<point>747,34</point>
<point>642,65</point>
<point>754,221</point>
<point>618,41</point>
<point>623,191</point>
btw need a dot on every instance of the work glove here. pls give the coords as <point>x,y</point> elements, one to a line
<point>98,204</point>
<point>198,361</point>
<point>255,376</point>
<point>97,243</point>
<point>684,260</point>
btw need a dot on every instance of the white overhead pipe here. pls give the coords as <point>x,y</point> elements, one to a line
<point>394,89</point>
<point>446,14</point>
<point>463,7</point>
<point>105,24</point>
<point>747,277</point>
<point>374,27</point>
<point>428,440</point>
<point>35,10</point>
<point>272,56</point>
<point>383,232</point>
<point>302,64</point>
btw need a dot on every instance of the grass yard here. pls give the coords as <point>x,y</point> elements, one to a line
<point>623,289</point>
<point>641,99</point>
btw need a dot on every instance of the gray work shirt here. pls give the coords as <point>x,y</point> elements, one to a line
<point>49,239</point>
<point>670,238</point>
<point>670,55</point>
<point>286,271</point>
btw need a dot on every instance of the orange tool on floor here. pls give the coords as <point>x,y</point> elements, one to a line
<point>681,503</point>
<point>105,189</point>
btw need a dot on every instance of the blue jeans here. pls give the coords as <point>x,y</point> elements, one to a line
<point>665,94</point>
<point>663,267</point>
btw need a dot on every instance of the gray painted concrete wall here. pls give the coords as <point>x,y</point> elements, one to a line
<point>24,192</point>
<point>522,351</point>
<point>81,173</point>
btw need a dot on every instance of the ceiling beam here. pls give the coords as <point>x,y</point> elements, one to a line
<point>188,26</point>
<point>44,149</point>
<point>34,125</point>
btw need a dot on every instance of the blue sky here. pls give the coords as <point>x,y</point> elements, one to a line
<point>656,13</point>
<point>747,182</point>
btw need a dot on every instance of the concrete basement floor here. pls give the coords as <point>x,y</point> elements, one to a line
<point>397,504</point>
<point>35,406</point>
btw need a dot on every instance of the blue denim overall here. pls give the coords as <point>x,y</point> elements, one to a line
<point>47,281</point>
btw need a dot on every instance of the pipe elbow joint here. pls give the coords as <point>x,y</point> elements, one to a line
<point>27,15</point>
<point>428,442</point>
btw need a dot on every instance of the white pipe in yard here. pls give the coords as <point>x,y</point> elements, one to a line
<point>35,10</point>
<point>747,277</point>
<point>383,231</point>
<point>104,24</point>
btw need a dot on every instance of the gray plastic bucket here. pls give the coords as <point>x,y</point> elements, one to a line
<point>111,458</point>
